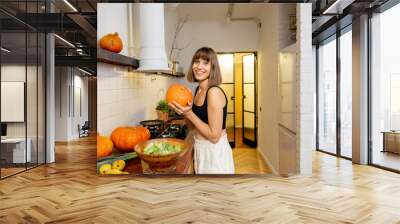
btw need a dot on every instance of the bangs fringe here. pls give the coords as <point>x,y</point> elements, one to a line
<point>204,54</point>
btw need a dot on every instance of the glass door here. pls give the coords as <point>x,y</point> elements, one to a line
<point>249,128</point>
<point>14,148</point>
<point>22,92</point>
<point>226,63</point>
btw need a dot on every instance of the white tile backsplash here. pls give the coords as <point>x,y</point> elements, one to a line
<point>127,97</point>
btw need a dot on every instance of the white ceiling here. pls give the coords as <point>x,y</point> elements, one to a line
<point>217,11</point>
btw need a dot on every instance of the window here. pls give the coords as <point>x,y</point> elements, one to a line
<point>346,94</point>
<point>385,89</point>
<point>327,97</point>
<point>335,94</point>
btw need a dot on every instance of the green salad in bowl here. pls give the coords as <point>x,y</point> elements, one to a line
<point>161,154</point>
<point>162,148</point>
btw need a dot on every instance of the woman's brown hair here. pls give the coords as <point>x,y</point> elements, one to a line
<point>207,54</point>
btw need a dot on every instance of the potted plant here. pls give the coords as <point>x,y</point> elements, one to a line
<point>162,110</point>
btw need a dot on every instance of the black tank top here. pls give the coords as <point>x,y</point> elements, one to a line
<point>201,111</point>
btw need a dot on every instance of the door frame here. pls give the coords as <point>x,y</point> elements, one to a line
<point>255,96</point>
<point>248,141</point>
<point>231,143</point>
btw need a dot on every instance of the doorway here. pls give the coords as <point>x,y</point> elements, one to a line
<point>239,70</point>
<point>72,103</point>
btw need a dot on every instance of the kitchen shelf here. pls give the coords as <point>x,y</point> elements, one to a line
<point>119,59</point>
<point>177,74</point>
<point>116,59</point>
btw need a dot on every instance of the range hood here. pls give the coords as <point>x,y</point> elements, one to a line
<point>153,58</point>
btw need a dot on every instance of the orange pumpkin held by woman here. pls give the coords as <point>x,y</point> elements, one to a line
<point>179,93</point>
<point>111,42</point>
<point>104,146</point>
<point>125,138</point>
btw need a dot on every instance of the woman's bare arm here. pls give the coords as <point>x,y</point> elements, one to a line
<point>189,124</point>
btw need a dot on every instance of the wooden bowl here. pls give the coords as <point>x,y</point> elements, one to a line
<point>161,163</point>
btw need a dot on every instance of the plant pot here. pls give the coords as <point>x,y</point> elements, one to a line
<point>162,115</point>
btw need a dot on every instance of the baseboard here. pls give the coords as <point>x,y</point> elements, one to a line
<point>274,171</point>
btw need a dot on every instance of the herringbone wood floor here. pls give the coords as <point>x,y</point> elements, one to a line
<point>69,191</point>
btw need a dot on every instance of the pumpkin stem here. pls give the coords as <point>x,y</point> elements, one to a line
<point>116,33</point>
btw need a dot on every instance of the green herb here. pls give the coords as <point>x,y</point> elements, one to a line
<point>163,106</point>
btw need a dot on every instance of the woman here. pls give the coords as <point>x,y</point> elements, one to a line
<point>207,113</point>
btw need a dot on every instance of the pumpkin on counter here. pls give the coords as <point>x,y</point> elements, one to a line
<point>179,93</point>
<point>111,42</point>
<point>125,138</point>
<point>104,146</point>
<point>144,132</point>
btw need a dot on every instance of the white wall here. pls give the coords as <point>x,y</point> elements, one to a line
<point>171,20</point>
<point>233,37</point>
<point>124,19</point>
<point>62,81</point>
<point>112,18</point>
<point>17,73</point>
<point>273,38</point>
<point>66,121</point>
<point>125,97</point>
<point>80,104</point>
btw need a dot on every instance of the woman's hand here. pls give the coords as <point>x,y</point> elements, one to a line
<point>180,109</point>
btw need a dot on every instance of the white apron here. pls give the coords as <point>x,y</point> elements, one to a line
<point>212,158</point>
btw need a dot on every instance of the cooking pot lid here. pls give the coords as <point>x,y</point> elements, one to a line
<point>151,122</point>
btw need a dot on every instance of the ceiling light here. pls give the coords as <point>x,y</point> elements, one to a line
<point>337,7</point>
<point>80,51</point>
<point>84,71</point>
<point>5,50</point>
<point>65,41</point>
<point>70,5</point>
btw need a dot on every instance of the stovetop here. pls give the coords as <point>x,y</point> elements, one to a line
<point>161,129</point>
